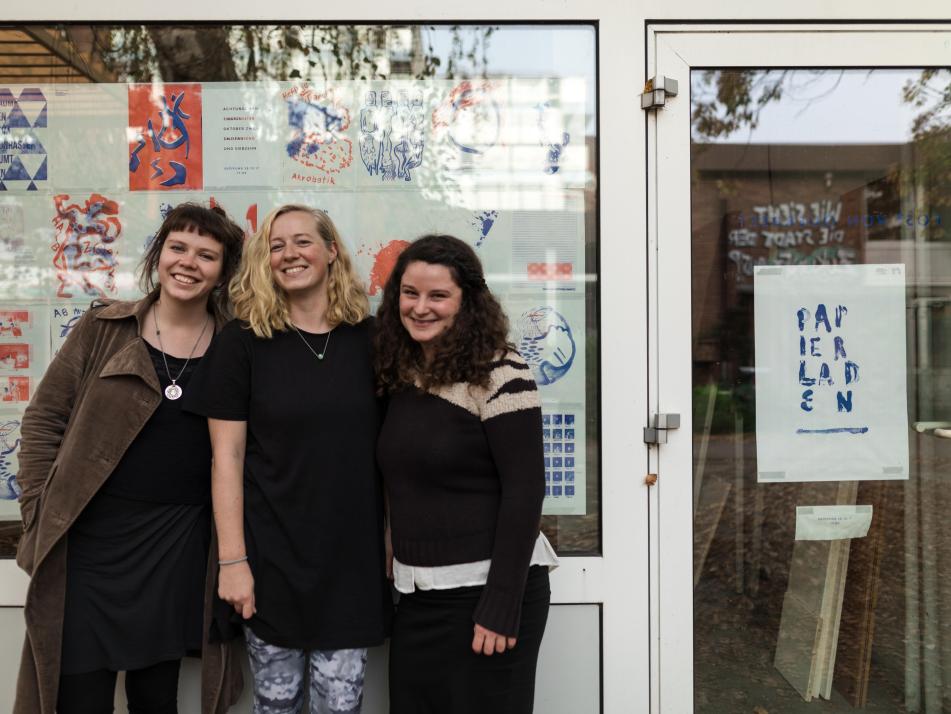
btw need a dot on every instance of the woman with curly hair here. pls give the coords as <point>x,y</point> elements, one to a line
<point>461,456</point>
<point>289,396</point>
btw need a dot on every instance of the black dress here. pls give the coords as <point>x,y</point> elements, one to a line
<point>137,555</point>
<point>313,504</point>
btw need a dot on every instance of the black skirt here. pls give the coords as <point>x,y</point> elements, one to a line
<point>135,579</point>
<point>433,669</point>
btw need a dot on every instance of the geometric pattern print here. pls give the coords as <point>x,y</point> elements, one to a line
<point>23,159</point>
<point>511,389</point>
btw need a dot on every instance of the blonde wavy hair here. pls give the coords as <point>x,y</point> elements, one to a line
<point>264,306</point>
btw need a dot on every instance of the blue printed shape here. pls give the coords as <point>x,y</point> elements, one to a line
<point>16,171</point>
<point>9,444</point>
<point>544,339</point>
<point>16,119</point>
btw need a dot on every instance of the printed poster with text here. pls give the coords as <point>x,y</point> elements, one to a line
<point>241,128</point>
<point>24,123</point>
<point>830,373</point>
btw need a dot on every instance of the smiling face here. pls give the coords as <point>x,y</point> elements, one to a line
<point>189,266</point>
<point>430,299</point>
<point>300,257</point>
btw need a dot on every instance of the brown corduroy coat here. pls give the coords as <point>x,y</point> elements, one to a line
<point>95,398</point>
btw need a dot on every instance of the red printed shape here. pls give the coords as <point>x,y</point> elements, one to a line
<point>383,264</point>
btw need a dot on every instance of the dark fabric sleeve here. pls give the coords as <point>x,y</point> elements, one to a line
<point>45,421</point>
<point>221,386</point>
<point>515,440</point>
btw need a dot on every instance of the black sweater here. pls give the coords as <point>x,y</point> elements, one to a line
<point>464,474</point>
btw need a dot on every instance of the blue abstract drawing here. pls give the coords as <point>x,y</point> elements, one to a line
<point>317,124</point>
<point>471,116</point>
<point>63,318</point>
<point>9,443</point>
<point>544,339</point>
<point>174,116</point>
<point>166,150</point>
<point>391,135</point>
<point>483,222</point>
<point>164,210</point>
<point>554,139</point>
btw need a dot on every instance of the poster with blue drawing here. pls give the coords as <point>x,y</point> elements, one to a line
<point>392,119</point>
<point>549,333</point>
<point>10,421</point>
<point>317,134</point>
<point>63,318</point>
<point>831,393</point>
<point>24,120</point>
<point>523,133</point>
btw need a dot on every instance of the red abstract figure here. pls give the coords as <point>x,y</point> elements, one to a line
<point>84,254</point>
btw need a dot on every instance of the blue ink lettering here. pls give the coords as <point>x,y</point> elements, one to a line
<point>813,350</point>
<point>802,314</point>
<point>806,403</point>
<point>802,346</point>
<point>824,375</point>
<point>839,347</point>
<point>844,403</point>
<point>851,372</point>
<point>840,312</point>
<point>822,317</point>
<point>803,379</point>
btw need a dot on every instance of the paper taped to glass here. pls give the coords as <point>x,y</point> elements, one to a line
<point>832,522</point>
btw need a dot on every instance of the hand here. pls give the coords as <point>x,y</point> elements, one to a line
<point>236,587</point>
<point>388,547</point>
<point>487,642</point>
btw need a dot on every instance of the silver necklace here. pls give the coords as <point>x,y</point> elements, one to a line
<point>318,355</point>
<point>173,391</point>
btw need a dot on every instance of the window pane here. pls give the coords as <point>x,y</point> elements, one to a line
<point>484,132</point>
<point>817,178</point>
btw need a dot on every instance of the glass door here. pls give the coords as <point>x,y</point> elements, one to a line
<point>802,508</point>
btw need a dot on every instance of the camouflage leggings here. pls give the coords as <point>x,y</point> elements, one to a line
<point>336,678</point>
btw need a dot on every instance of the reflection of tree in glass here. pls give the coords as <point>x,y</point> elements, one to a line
<point>178,53</point>
<point>728,101</point>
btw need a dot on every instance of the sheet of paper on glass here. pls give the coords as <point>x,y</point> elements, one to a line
<point>830,373</point>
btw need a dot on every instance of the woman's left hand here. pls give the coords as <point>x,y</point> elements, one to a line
<point>487,642</point>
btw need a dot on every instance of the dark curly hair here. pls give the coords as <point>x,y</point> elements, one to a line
<point>465,351</point>
<point>210,222</point>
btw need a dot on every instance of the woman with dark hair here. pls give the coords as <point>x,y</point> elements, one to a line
<point>116,483</point>
<point>461,456</point>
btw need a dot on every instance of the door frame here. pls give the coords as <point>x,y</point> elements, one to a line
<point>672,51</point>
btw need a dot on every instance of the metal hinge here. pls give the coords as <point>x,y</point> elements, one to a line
<point>656,92</point>
<point>657,434</point>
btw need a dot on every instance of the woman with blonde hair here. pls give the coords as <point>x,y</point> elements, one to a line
<point>289,395</point>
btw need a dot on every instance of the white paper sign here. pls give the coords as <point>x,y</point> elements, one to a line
<point>830,373</point>
<point>832,522</point>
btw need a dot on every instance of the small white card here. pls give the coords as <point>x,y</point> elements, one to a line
<point>832,522</point>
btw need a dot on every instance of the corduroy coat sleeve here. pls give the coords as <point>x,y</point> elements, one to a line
<point>44,424</point>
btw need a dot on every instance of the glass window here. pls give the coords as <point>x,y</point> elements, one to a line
<point>484,132</point>
<point>818,575</point>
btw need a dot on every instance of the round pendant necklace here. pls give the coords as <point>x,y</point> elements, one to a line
<point>173,391</point>
<point>318,355</point>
